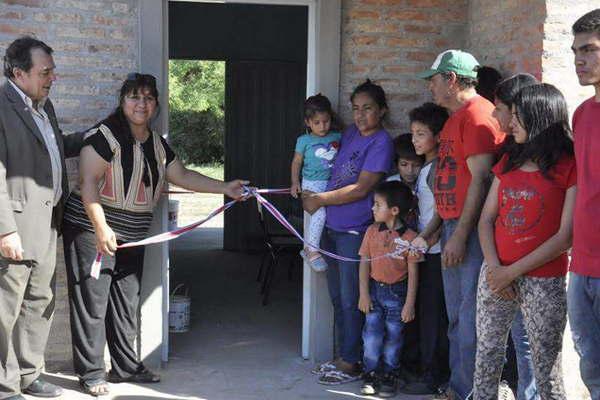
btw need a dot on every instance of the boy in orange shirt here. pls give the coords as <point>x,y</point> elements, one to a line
<point>388,287</point>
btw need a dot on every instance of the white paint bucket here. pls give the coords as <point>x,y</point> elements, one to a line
<point>173,214</point>
<point>179,310</point>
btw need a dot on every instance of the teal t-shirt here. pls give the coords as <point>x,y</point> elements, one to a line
<point>319,153</point>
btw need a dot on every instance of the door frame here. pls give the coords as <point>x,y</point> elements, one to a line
<point>323,69</point>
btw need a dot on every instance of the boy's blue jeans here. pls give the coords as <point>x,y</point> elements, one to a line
<point>342,281</point>
<point>583,306</point>
<point>460,292</point>
<point>382,333</point>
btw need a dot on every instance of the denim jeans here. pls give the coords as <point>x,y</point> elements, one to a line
<point>526,387</point>
<point>342,281</point>
<point>583,302</point>
<point>460,292</point>
<point>382,333</point>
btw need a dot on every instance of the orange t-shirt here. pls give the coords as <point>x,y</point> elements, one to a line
<point>469,131</point>
<point>378,241</point>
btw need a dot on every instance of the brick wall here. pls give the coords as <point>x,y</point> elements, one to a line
<point>390,41</point>
<point>507,34</point>
<point>95,45</point>
<point>557,62</point>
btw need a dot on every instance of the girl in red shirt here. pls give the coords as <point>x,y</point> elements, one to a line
<point>525,231</point>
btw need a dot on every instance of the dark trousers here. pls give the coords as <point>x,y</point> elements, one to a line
<point>432,319</point>
<point>103,310</point>
<point>27,290</point>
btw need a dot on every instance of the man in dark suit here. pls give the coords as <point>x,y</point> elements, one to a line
<point>33,186</point>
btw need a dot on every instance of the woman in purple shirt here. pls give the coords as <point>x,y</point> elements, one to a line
<point>365,157</point>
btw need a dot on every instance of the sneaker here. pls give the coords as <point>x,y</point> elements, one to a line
<point>387,387</point>
<point>443,395</point>
<point>370,384</point>
<point>505,392</point>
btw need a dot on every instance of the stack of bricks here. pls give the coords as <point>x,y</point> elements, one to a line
<point>95,45</point>
<point>390,41</point>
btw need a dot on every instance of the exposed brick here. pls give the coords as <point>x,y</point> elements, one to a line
<point>422,28</point>
<point>58,17</point>
<point>365,40</point>
<point>26,3</point>
<point>384,2</point>
<point>405,41</point>
<point>378,55</point>
<point>420,56</point>
<point>76,32</point>
<point>362,14</point>
<point>101,20</point>
<point>408,15</point>
<point>11,15</point>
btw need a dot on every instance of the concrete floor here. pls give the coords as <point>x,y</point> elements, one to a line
<point>236,348</point>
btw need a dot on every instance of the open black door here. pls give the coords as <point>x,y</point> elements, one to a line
<point>263,103</point>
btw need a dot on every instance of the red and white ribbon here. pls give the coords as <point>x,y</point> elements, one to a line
<point>402,246</point>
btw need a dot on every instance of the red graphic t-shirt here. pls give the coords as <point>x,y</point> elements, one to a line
<point>469,131</point>
<point>529,211</point>
<point>586,234</point>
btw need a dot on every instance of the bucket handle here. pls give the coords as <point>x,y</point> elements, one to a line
<point>181,285</point>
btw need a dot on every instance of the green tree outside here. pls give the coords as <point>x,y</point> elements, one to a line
<point>197,110</point>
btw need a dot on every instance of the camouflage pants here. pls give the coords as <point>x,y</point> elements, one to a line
<point>543,303</point>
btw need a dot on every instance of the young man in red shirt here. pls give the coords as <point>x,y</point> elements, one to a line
<point>468,143</point>
<point>584,280</point>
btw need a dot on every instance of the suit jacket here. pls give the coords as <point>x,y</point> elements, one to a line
<point>26,192</point>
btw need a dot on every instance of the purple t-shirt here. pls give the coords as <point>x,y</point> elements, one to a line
<point>358,153</point>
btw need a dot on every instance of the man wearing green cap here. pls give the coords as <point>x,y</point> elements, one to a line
<point>468,143</point>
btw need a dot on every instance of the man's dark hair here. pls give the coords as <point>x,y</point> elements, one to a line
<point>431,115</point>
<point>507,89</point>
<point>405,149</point>
<point>542,112</point>
<point>487,80</point>
<point>397,194</point>
<point>589,23</point>
<point>18,54</point>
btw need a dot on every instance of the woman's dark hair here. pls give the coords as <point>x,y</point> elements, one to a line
<point>372,90</point>
<point>542,111</point>
<point>506,92</point>
<point>319,104</point>
<point>487,80</point>
<point>397,194</point>
<point>431,115</point>
<point>509,87</point>
<point>18,54</point>
<point>588,23</point>
<point>134,83</point>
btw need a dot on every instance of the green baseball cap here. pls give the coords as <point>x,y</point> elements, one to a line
<point>457,61</point>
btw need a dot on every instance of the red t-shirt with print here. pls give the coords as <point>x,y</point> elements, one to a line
<point>469,131</point>
<point>586,234</point>
<point>529,211</point>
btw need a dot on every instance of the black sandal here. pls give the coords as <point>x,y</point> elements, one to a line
<point>144,376</point>
<point>91,384</point>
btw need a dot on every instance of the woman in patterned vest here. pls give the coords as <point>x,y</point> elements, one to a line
<point>123,168</point>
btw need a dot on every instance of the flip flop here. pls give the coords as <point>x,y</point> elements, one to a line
<point>90,384</point>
